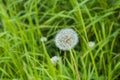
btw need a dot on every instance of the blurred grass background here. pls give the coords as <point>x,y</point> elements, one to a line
<point>24,57</point>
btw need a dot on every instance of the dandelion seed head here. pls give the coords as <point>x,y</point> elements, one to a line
<point>54,60</point>
<point>66,39</point>
<point>43,39</point>
<point>91,44</point>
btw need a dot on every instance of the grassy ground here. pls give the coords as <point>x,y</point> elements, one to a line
<point>24,57</point>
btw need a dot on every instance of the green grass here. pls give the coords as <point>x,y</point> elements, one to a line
<point>24,57</point>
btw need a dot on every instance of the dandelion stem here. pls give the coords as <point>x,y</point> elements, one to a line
<point>75,65</point>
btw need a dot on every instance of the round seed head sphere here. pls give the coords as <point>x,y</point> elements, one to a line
<point>43,39</point>
<point>91,44</point>
<point>54,60</point>
<point>66,39</point>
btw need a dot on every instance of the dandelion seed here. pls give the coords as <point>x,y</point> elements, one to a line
<point>43,39</point>
<point>66,39</point>
<point>91,44</point>
<point>54,60</point>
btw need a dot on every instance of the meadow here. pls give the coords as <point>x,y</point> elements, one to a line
<point>24,56</point>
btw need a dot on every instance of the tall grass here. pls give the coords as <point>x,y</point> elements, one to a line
<point>24,57</point>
